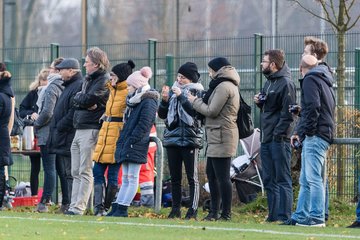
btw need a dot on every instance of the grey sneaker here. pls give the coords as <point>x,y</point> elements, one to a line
<point>311,223</point>
<point>42,208</point>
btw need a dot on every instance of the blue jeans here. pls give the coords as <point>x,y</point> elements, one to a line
<point>311,201</point>
<point>113,172</point>
<point>276,174</point>
<point>48,161</point>
<point>130,183</point>
<point>358,204</point>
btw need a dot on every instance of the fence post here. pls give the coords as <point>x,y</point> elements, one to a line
<point>159,172</point>
<point>152,59</point>
<point>357,78</point>
<point>258,78</point>
<point>54,51</point>
<point>169,69</point>
<point>9,66</point>
<point>83,70</point>
<point>357,106</point>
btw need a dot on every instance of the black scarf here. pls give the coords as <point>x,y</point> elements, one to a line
<point>212,85</point>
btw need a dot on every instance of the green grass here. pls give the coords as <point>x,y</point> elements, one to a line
<point>247,223</point>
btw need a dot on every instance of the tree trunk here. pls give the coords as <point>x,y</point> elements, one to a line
<point>340,71</point>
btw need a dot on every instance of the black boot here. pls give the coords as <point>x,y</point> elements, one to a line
<point>114,207</point>
<point>225,216</point>
<point>2,189</point>
<point>212,216</point>
<point>98,200</point>
<point>191,214</point>
<point>121,211</point>
<point>111,191</point>
<point>175,213</point>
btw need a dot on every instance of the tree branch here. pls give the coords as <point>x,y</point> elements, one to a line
<point>353,24</point>
<point>306,9</point>
<point>331,7</point>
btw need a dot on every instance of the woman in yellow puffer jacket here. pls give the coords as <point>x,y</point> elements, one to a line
<point>109,133</point>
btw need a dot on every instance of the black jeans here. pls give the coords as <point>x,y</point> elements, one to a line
<point>34,174</point>
<point>218,174</point>
<point>63,169</point>
<point>176,156</point>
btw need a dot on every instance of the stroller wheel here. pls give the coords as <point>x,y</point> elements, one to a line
<point>207,205</point>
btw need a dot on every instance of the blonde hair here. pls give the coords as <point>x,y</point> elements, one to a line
<point>43,74</point>
<point>98,57</point>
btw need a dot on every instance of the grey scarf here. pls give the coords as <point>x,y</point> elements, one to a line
<point>175,107</point>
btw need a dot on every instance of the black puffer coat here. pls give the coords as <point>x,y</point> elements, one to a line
<point>181,135</point>
<point>28,104</point>
<point>94,91</point>
<point>6,94</point>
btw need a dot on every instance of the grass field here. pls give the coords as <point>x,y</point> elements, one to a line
<point>247,223</point>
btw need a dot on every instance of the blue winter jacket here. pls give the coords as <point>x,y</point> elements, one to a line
<point>133,143</point>
<point>317,104</point>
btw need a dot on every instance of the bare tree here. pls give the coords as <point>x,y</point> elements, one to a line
<point>341,16</point>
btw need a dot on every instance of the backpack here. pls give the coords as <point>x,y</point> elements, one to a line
<point>244,122</point>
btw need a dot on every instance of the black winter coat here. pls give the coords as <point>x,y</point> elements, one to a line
<point>6,94</point>
<point>133,143</point>
<point>276,120</point>
<point>94,91</point>
<point>317,104</point>
<point>181,135</point>
<point>28,104</point>
<point>62,130</point>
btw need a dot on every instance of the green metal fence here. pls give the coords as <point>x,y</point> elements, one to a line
<point>244,53</point>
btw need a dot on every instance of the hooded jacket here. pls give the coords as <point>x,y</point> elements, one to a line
<point>277,122</point>
<point>317,104</point>
<point>220,114</point>
<point>133,143</point>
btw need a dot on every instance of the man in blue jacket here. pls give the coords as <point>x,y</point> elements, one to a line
<point>316,132</point>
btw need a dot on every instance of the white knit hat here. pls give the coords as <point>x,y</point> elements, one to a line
<point>140,78</point>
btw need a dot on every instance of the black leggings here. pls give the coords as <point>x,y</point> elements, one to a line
<point>176,156</point>
<point>34,174</point>
<point>218,174</point>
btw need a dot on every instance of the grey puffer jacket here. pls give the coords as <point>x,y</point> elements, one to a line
<point>42,124</point>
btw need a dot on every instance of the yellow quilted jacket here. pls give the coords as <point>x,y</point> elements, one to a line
<point>110,131</point>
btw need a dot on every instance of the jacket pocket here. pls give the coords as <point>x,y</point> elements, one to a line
<point>214,134</point>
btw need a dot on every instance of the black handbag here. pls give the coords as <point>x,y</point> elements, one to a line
<point>244,121</point>
<point>18,126</point>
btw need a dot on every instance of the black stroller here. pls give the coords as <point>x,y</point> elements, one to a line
<point>245,169</point>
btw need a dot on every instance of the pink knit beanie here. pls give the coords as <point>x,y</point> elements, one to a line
<point>140,78</point>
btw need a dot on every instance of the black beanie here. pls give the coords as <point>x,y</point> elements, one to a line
<point>217,63</point>
<point>190,71</point>
<point>123,70</point>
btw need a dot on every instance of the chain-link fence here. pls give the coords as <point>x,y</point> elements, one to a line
<point>244,53</point>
